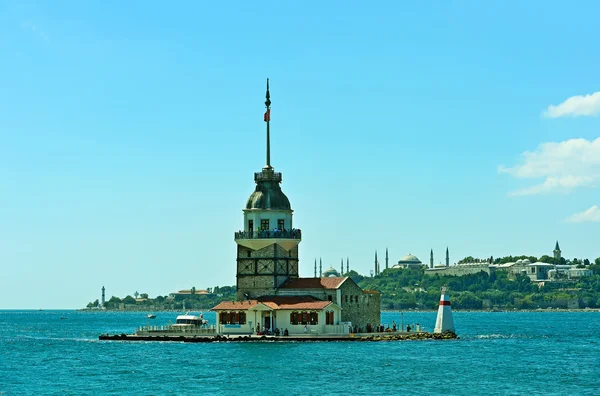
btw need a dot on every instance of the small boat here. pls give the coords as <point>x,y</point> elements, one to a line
<point>150,316</point>
<point>63,317</point>
<point>190,321</point>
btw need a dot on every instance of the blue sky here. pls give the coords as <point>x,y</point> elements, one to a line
<point>130,133</point>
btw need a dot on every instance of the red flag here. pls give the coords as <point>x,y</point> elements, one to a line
<point>268,115</point>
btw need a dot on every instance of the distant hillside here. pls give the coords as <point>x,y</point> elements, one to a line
<point>410,288</point>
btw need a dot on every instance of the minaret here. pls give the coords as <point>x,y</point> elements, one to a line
<point>376,264</point>
<point>103,301</point>
<point>387,259</point>
<point>557,252</point>
<point>347,265</point>
<point>266,258</point>
<point>447,257</point>
<point>320,268</point>
<point>342,273</point>
<point>315,268</point>
<point>431,259</point>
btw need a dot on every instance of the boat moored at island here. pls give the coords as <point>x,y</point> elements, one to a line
<point>186,324</point>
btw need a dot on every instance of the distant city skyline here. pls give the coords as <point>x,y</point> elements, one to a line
<point>131,133</point>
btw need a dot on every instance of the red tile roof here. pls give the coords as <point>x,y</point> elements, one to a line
<point>294,302</point>
<point>235,305</point>
<point>275,303</point>
<point>189,292</point>
<point>314,283</point>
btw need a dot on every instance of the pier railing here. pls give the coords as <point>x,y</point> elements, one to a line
<point>176,329</point>
<point>294,233</point>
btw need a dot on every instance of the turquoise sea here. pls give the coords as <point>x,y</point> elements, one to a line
<point>500,353</point>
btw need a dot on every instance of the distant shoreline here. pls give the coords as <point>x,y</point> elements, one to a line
<point>397,311</point>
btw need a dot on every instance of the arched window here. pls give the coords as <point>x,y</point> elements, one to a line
<point>314,318</point>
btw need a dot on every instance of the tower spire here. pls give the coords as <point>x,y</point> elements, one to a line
<point>320,268</point>
<point>268,120</point>
<point>386,258</point>
<point>347,264</point>
<point>315,267</point>
<point>376,264</point>
<point>431,259</point>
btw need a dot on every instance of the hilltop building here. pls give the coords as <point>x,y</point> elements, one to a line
<point>557,252</point>
<point>409,261</point>
<point>270,293</point>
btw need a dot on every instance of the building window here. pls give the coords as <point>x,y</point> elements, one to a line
<point>305,318</point>
<point>346,297</point>
<point>294,318</point>
<point>330,297</point>
<point>249,253</point>
<point>329,317</point>
<point>233,317</point>
<point>250,225</point>
<point>280,224</point>
<point>264,224</point>
<point>314,318</point>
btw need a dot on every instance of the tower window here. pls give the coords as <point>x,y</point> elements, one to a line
<point>264,224</point>
<point>280,224</point>
<point>250,225</point>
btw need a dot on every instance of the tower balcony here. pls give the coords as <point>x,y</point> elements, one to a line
<point>259,239</point>
<point>267,175</point>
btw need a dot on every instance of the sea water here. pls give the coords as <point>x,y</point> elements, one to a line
<point>498,353</point>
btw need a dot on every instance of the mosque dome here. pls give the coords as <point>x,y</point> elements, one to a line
<point>330,272</point>
<point>410,259</point>
<point>268,195</point>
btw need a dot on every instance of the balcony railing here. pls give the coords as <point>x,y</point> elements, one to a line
<point>294,233</point>
<point>267,176</point>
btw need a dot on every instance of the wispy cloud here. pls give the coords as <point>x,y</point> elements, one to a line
<point>590,215</point>
<point>565,166</point>
<point>35,29</point>
<point>575,106</point>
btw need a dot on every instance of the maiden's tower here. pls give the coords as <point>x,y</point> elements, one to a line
<point>270,294</point>
<point>267,248</point>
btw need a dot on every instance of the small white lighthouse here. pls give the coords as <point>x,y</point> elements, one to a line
<point>444,322</point>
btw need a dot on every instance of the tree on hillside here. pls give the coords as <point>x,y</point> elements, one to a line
<point>136,294</point>
<point>144,295</point>
<point>586,262</point>
<point>597,261</point>
<point>547,259</point>
<point>129,300</point>
<point>356,277</point>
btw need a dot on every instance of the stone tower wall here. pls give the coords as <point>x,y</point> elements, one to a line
<point>260,272</point>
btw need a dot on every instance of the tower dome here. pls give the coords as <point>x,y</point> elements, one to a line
<point>268,194</point>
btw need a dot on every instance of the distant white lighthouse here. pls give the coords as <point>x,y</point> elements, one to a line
<point>444,322</point>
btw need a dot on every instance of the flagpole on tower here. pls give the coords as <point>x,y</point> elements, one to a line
<point>267,120</point>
